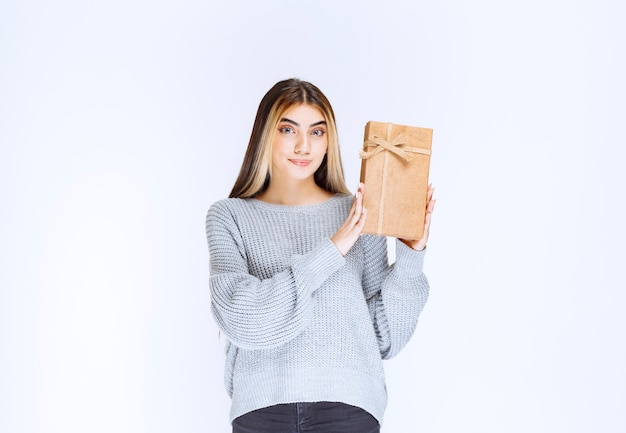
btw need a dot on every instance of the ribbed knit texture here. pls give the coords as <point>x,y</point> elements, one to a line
<point>302,322</point>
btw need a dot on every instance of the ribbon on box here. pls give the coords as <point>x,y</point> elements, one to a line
<point>392,146</point>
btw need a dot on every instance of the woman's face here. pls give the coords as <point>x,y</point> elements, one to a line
<point>300,143</point>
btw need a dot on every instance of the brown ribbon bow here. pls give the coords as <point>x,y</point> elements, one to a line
<point>392,146</point>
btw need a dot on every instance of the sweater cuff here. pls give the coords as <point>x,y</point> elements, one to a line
<point>408,261</point>
<point>312,269</point>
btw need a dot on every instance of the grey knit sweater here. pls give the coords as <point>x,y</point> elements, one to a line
<point>303,323</point>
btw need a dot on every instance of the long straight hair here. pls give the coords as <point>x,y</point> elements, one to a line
<point>255,173</point>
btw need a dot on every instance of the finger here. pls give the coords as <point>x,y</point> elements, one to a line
<point>362,196</point>
<point>353,208</point>
<point>361,222</point>
<point>431,191</point>
<point>431,206</point>
<point>360,200</point>
<point>358,206</point>
<point>427,224</point>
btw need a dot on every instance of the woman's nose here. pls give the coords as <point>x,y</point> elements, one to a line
<point>303,146</point>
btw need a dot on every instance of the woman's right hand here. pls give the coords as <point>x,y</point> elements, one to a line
<point>351,229</point>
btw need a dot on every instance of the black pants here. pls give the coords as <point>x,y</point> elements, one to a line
<point>321,417</point>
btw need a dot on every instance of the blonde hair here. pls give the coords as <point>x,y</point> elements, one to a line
<point>255,173</point>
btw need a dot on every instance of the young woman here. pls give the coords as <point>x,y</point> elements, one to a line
<point>309,307</point>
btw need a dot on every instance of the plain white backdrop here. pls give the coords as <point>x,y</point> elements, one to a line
<point>122,121</point>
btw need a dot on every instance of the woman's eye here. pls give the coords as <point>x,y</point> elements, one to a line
<point>286,130</point>
<point>318,132</point>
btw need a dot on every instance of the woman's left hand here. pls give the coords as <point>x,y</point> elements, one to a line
<point>419,245</point>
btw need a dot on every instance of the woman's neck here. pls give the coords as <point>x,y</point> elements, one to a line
<point>297,194</point>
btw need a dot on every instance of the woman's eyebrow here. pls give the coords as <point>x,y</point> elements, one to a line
<point>284,119</point>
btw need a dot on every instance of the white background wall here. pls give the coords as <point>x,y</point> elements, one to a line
<point>122,121</point>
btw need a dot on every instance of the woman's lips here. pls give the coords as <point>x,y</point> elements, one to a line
<point>300,162</point>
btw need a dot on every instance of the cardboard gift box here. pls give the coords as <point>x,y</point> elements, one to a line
<point>394,168</point>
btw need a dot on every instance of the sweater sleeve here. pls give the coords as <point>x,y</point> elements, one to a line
<point>396,294</point>
<point>256,313</point>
